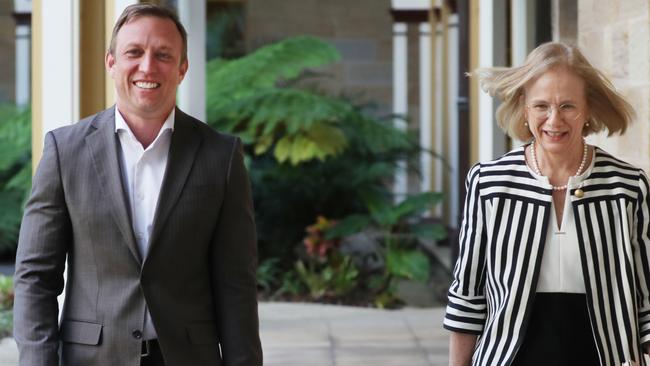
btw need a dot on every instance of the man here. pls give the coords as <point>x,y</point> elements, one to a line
<point>153,211</point>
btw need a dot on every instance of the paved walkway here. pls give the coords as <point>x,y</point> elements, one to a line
<point>315,335</point>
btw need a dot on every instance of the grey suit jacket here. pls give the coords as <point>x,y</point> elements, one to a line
<point>198,278</point>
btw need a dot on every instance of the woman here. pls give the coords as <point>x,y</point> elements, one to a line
<point>553,267</point>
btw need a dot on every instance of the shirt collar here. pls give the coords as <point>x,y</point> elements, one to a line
<point>120,122</point>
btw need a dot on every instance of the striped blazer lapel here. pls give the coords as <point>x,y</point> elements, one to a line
<point>603,218</point>
<point>517,214</point>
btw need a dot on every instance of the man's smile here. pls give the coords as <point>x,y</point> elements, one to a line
<point>146,84</point>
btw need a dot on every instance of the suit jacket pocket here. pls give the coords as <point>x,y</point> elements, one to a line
<point>202,333</point>
<point>74,331</point>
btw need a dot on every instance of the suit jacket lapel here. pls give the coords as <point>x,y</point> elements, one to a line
<point>102,144</point>
<point>182,152</point>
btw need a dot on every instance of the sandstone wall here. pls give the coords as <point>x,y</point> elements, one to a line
<point>615,36</point>
<point>361,30</point>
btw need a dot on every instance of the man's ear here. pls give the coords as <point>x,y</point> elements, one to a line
<point>109,61</point>
<point>183,70</point>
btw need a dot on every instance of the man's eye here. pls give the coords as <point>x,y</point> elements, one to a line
<point>132,53</point>
<point>164,56</point>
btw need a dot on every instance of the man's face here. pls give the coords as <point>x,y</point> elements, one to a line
<point>146,67</point>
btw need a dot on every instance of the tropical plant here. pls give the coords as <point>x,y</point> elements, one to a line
<point>15,172</point>
<point>268,274</point>
<point>393,218</point>
<point>335,278</point>
<point>245,97</point>
<point>312,153</point>
<point>399,228</point>
<point>288,196</point>
<point>324,270</point>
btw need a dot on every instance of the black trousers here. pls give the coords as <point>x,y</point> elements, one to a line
<point>559,333</point>
<point>153,355</point>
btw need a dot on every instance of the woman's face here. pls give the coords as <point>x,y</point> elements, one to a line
<point>556,110</point>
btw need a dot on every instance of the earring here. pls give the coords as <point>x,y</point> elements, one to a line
<point>526,123</point>
<point>587,124</point>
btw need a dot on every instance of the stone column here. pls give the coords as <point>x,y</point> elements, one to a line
<point>425,106</point>
<point>22,14</point>
<point>191,93</point>
<point>492,20</point>
<point>400,95</point>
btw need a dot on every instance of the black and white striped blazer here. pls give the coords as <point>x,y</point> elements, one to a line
<point>507,212</point>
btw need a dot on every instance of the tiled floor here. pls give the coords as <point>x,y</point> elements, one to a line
<point>327,335</point>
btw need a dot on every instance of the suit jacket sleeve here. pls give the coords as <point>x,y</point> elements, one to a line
<point>466,310</point>
<point>40,262</point>
<point>234,261</point>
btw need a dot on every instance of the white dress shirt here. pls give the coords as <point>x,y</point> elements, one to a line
<point>561,268</point>
<point>142,175</point>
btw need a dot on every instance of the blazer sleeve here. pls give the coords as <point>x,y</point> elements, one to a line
<point>641,244</point>
<point>234,269</point>
<point>40,262</point>
<point>466,308</point>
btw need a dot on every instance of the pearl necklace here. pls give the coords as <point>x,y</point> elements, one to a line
<point>585,149</point>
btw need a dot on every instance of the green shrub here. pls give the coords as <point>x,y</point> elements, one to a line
<point>323,270</point>
<point>6,306</point>
<point>15,173</point>
<point>398,229</point>
<point>313,154</point>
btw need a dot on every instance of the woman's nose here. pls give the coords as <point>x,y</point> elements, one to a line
<point>553,115</point>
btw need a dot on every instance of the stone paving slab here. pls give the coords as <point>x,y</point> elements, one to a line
<point>354,336</point>
<point>295,334</point>
<point>8,352</point>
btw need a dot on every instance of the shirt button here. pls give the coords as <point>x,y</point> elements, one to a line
<point>137,334</point>
<point>140,196</point>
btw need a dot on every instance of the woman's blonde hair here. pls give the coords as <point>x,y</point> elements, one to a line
<point>608,109</point>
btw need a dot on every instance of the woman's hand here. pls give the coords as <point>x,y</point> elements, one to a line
<point>461,348</point>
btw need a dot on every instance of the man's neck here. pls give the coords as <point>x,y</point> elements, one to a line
<point>144,128</point>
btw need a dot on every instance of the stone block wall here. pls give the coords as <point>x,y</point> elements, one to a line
<point>615,36</point>
<point>361,30</point>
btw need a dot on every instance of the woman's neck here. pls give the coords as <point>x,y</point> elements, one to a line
<point>558,167</point>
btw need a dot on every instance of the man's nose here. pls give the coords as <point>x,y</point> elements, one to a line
<point>147,62</point>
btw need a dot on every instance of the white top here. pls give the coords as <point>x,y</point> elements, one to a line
<point>142,175</point>
<point>561,268</point>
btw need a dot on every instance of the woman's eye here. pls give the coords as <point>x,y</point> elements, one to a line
<point>541,107</point>
<point>567,106</point>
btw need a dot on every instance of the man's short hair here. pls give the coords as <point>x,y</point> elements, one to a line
<point>134,11</point>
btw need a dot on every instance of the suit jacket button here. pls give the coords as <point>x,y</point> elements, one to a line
<point>137,334</point>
